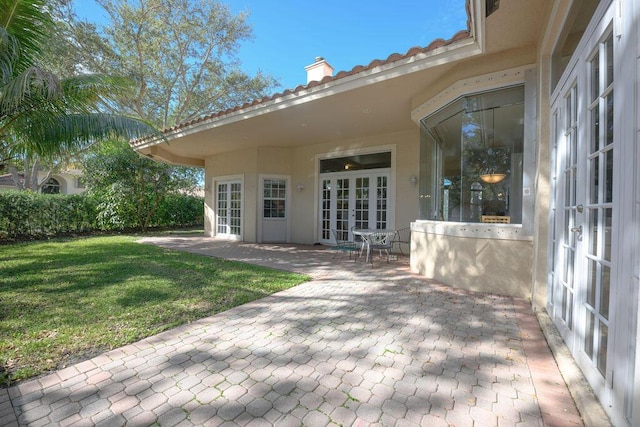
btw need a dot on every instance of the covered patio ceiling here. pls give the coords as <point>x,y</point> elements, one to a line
<point>377,109</point>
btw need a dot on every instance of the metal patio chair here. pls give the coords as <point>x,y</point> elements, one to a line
<point>379,241</point>
<point>402,237</point>
<point>342,245</point>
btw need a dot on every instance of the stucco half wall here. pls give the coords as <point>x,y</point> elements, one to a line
<point>477,257</point>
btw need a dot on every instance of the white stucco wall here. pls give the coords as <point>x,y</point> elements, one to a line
<point>300,164</point>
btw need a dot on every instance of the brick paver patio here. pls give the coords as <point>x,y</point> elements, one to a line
<point>358,345</point>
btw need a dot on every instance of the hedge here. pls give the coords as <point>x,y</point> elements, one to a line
<point>27,215</point>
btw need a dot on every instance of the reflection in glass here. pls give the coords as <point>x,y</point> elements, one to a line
<point>607,233</point>
<point>588,336</point>
<point>567,187</point>
<point>602,348</point>
<point>567,218</point>
<point>595,77</point>
<point>605,286</point>
<point>595,173</point>
<point>609,47</point>
<point>591,285</point>
<point>595,130</point>
<point>608,177</point>
<point>593,226</point>
<point>569,255</point>
<point>475,137</point>
<point>609,118</point>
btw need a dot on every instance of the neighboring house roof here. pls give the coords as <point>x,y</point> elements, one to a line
<point>66,178</point>
<point>6,180</point>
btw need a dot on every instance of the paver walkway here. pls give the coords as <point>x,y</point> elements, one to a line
<point>359,345</point>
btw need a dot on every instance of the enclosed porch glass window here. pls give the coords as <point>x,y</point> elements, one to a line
<point>472,159</point>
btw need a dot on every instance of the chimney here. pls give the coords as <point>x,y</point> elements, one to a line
<point>318,70</point>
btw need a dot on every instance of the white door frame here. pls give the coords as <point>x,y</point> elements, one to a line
<point>614,388</point>
<point>261,219</point>
<point>372,174</point>
<point>229,179</point>
<point>317,190</point>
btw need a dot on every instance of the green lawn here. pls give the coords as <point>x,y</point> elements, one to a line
<point>63,301</point>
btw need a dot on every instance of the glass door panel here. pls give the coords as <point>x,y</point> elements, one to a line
<point>599,208</point>
<point>222,208</point>
<point>362,203</point>
<point>343,207</point>
<point>325,209</point>
<point>352,200</point>
<point>381,202</point>
<point>567,228</point>
<point>229,209</point>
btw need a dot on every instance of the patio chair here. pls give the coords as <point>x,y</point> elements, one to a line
<point>402,237</point>
<point>357,239</point>
<point>382,241</point>
<point>343,246</point>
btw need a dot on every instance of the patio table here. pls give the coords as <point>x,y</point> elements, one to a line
<point>369,235</point>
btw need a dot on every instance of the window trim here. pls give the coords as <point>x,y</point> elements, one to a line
<point>265,178</point>
<point>518,76</point>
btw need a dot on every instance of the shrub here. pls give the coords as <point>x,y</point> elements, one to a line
<point>180,210</point>
<point>27,215</point>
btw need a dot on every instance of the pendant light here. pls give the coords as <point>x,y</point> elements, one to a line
<point>491,175</point>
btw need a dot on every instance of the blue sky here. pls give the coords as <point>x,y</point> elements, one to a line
<point>289,34</point>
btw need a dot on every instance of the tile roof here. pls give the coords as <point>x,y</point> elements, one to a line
<point>461,35</point>
<point>435,44</point>
<point>6,180</point>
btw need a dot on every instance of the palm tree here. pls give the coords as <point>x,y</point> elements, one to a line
<point>41,114</point>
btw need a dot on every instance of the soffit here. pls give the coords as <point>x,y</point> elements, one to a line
<point>374,109</point>
<point>516,23</point>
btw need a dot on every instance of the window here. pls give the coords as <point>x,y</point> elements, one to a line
<point>357,162</point>
<point>275,195</point>
<point>472,158</point>
<point>80,182</point>
<point>52,186</point>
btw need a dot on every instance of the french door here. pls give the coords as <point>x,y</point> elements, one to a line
<point>353,200</point>
<point>229,209</point>
<point>584,261</point>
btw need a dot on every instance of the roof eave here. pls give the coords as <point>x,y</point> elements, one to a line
<point>464,44</point>
<point>463,48</point>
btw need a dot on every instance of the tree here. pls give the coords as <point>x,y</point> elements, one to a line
<point>131,187</point>
<point>181,53</point>
<point>40,113</point>
<point>77,47</point>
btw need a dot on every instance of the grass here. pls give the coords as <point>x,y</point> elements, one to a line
<point>63,301</point>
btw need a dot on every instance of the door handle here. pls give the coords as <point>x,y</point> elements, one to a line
<point>577,229</point>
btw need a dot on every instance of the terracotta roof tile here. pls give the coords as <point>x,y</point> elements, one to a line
<point>6,180</point>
